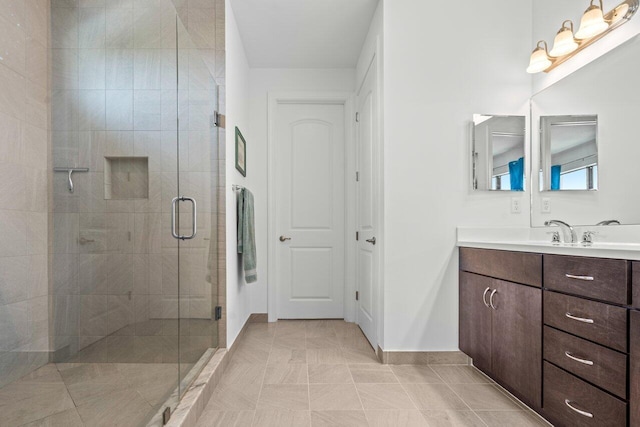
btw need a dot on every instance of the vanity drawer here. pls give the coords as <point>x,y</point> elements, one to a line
<point>563,391</point>
<point>519,267</point>
<point>634,336</point>
<point>635,286</point>
<point>597,278</point>
<point>599,322</point>
<point>599,365</point>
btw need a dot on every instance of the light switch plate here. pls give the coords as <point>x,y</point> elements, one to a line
<point>546,205</point>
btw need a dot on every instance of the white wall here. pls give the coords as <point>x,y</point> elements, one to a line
<point>548,16</point>
<point>237,91</point>
<point>437,75</point>
<point>263,81</point>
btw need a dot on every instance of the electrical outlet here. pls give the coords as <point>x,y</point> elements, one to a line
<point>516,205</point>
<point>546,205</point>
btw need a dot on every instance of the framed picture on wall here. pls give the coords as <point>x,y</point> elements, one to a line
<point>241,153</point>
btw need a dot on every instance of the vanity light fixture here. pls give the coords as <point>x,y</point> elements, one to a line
<point>564,43</point>
<point>594,25</point>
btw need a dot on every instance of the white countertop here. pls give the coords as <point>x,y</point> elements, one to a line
<point>521,239</point>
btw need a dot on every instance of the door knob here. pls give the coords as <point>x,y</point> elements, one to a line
<point>371,240</point>
<point>284,239</point>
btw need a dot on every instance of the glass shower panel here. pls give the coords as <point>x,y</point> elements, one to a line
<point>115,293</point>
<point>196,212</point>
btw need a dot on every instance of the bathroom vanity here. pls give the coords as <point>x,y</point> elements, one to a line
<point>560,332</point>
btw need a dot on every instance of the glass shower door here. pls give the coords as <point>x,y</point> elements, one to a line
<point>195,209</point>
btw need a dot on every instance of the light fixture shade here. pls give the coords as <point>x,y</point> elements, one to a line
<point>592,23</point>
<point>539,59</point>
<point>564,42</point>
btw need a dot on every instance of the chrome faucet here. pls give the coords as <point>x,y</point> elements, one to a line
<point>565,227</point>
<point>609,222</point>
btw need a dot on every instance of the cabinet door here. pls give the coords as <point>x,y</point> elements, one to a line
<point>634,391</point>
<point>475,319</point>
<point>517,340</point>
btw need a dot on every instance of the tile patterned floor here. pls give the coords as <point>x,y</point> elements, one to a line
<point>324,373</point>
<point>87,394</point>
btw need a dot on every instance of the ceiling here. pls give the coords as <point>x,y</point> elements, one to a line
<point>303,33</point>
<point>565,138</point>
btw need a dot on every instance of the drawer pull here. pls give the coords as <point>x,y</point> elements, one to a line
<point>573,408</point>
<point>484,297</point>
<point>579,319</point>
<point>586,278</point>
<point>577,359</point>
<point>495,291</point>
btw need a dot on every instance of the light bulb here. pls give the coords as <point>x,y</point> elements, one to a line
<point>539,59</point>
<point>592,23</point>
<point>564,42</point>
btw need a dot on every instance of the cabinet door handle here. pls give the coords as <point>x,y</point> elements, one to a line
<point>577,359</point>
<point>484,297</point>
<point>495,291</point>
<point>586,278</point>
<point>579,319</point>
<point>573,408</point>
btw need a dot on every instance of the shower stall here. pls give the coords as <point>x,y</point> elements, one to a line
<point>132,224</point>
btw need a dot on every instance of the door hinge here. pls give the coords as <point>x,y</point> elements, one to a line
<point>217,315</point>
<point>215,119</point>
<point>357,235</point>
<point>357,176</point>
<point>357,296</point>
<point>166,415</point>
<point>357,117</point>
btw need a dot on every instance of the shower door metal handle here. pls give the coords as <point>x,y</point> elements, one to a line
<point>194,225</point>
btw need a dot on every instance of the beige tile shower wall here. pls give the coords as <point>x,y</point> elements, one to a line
<point>24,122</point>
<point>114,95</point>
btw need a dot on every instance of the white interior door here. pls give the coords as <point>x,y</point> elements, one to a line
<point>310,210</point>
<point>367,202</point>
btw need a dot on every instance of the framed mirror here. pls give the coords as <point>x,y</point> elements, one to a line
<point>498,152</point>
<point>569,153</point>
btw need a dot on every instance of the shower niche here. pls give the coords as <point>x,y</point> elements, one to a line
<point>126,178</point>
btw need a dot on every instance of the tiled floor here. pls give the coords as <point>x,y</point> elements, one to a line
<point>87,394</point>
<point>324,373</point>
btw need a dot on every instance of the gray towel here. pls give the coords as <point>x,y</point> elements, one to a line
<point>247,235</point>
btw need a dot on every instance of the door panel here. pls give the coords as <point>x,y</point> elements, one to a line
<point>516,346</point>
<point>310,212</point>
<point>311,273</point>
<point>367,253</point>
<point>312,170</point>
<point>475,319</point>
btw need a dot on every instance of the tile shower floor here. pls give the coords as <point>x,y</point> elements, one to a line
<point>325,373</point>
<point>87,394</point>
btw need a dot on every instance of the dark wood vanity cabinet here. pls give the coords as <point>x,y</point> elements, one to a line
<point>501,328</point>
<point>476,319</point>
<point>559,334</point>
<point>635,286</point>
<point>634,388</point>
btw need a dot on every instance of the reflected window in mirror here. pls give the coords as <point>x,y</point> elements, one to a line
<point>498,152</point>
<point>569,153</point>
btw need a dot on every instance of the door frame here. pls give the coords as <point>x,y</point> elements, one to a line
<point>346,99</point>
